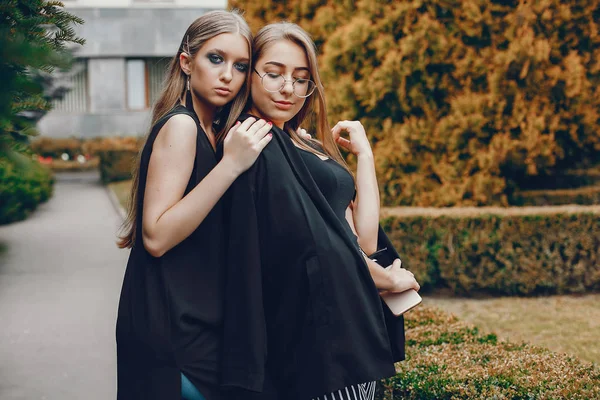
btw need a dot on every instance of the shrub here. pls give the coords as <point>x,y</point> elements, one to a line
<point>113,155</point>
<point>51,147</point>
<point>448,359</point>
<point>55,147</point>
<point>568,179</point>
<point>73,166</point>
<point>501,254</point>
<point>116,165</point>
<point>125,143</point>
<point>23,185</point>
<point>117,156</point>
<point>584,196</point>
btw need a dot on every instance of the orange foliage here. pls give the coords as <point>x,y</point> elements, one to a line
<point>464,101</point>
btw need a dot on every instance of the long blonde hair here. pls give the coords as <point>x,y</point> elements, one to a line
<point>199,32</point>
<point>315,107</point>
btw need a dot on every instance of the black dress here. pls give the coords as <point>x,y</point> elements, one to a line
<point>337,186</point>
<point>302,314</point>
<point>170,311</point>
<point>335,183</point>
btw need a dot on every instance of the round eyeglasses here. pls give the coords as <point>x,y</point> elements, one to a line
<point>275,82</point>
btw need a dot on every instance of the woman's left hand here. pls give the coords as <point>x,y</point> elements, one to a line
<point>357,143</point>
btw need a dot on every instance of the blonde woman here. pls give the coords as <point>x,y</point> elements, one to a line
<point>170,311</point>
<point>303,315</point>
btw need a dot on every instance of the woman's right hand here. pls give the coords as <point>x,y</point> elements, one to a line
<point>244,143</point>
<point>402,279</point>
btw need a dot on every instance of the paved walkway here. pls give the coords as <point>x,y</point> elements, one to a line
<point>60,277</point>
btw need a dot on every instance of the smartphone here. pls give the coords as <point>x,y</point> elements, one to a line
<point>399,303</point>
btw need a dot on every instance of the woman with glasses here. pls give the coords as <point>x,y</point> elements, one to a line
<point>303,315</point>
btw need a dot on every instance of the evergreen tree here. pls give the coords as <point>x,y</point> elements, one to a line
<point>33,37</point>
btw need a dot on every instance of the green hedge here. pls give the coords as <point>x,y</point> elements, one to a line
<point>116,165</point>
<point>501,254</point>
<point>114,156</point>
<point>56,147</point>
<point>23,185</point>
<point>448,359</point>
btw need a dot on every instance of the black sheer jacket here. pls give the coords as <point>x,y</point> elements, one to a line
<point>302,314</point>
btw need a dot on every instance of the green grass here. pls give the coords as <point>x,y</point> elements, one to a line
<point>121,190</point>
<point>564,324</point>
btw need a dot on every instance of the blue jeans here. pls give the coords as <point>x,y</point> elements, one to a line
<point>189,391</point>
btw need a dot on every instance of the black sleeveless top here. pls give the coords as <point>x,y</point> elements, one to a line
<point>170,310</point>
<point>336,184</point>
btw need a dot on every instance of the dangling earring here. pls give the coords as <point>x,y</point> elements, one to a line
<point>188,96</point>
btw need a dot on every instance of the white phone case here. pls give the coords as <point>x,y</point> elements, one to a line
<point>399,303</point>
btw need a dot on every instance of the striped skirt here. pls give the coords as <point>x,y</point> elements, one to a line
<point>362,391</point>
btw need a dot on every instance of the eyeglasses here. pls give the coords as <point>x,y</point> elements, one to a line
<point>275,82</point>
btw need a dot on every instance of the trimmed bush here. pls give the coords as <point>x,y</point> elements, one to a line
<point>58,165</point>
<point>501,254</point>
<point>99,145</point>
<point>51,147</point>
<point>584,196</point>
<point>116,165</point>
<point>448,359</point>
<point>114,156</point>
<point>117,157</point>
<point>24,184</point>
<point>55,147</point>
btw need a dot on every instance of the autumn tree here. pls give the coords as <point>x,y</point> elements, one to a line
<point>464,100</point>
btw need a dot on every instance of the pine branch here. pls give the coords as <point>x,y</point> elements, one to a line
<point>33,37</point>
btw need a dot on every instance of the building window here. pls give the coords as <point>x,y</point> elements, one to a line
<point>137,94</point>
<point>157,70</point>
<point>74,84</point>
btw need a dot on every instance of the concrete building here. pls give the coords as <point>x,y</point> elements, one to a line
<point>121,67</point>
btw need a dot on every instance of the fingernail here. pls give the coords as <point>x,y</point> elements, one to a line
<point>237,123</point>
<point>270,135</point>
<point>270,123</point>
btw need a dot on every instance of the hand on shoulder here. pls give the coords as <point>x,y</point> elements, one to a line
<point>244,143</point>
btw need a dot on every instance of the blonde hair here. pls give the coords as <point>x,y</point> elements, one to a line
<point>315,107</point>
<point>199,32</point>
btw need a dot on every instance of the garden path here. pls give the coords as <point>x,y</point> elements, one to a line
<point>60,277</point>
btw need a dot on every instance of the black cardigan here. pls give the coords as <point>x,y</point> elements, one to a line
<point>302,314</point>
